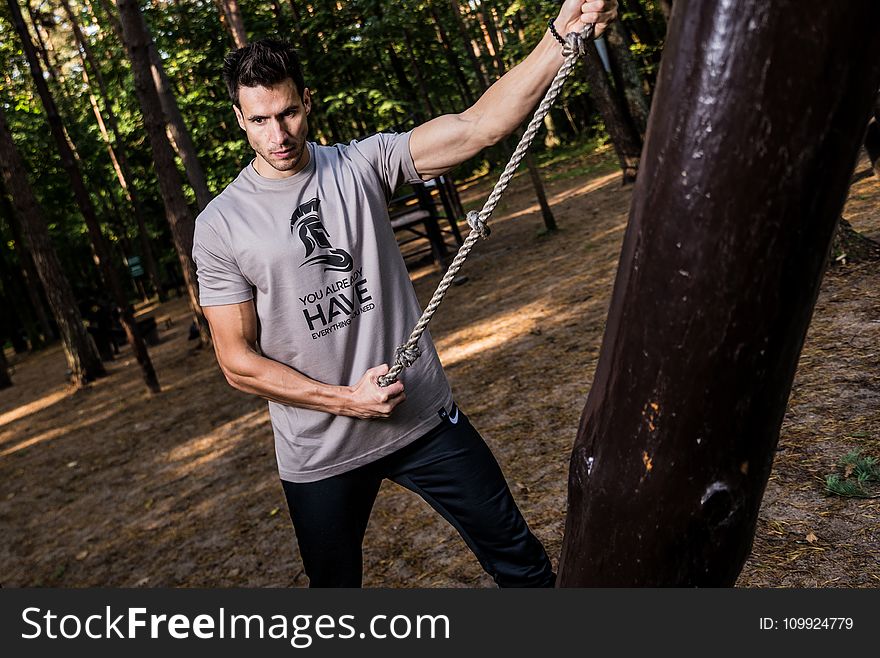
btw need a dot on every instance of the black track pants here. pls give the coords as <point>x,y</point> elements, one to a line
<point>454,471</point>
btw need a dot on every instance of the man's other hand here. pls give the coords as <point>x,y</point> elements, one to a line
<point>369,400</point>
<point>575,14</point>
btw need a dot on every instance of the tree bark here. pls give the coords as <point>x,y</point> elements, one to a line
<point>647,30</point>
<point>118,155</point>
<point>5,379</point>
<point>634,15</point>
<point>408,89</point>
<point>540,193</point>
<point>138,43</point>
<point>666,9</point>
<point>451,56</point>
<point>420,79</point>
<point>624,135</point>
<point>466,41</point>
<point>627,77</point>
<point>280,18</point>
<point>83,360</point>
<point>234,22</point>
<point>184,145</point>
<point>84,201</point>
<point>727,241</point>
<point>29,273</point>
<point>850,246</point>
<point>872,138</point>
<point>493,44</point>
<point>872,145</point>
<point>13,298</point>
<point>182,141</point>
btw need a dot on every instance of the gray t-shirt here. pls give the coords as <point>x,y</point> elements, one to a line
<point>317,254</point>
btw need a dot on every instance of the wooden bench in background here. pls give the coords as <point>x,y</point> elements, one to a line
<point>424,219</point>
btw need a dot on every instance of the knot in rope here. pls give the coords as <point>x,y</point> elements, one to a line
<point>576,42</point>
<point>476,222</point>
<point>407,356</point>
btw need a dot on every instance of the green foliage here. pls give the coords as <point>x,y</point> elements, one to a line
<point>386,112</point>
<point>859,478</point>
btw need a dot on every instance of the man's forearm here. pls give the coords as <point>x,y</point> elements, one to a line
<point>253,373</point>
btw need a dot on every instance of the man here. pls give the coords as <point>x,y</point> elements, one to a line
<point>307,296</point>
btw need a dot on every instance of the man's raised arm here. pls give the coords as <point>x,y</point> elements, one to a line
<point>442,143</point>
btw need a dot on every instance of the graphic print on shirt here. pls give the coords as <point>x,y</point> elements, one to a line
<point>306,222</point>
<point>337,302</point>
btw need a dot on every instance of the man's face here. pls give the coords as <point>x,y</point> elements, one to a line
<point>275,120</point>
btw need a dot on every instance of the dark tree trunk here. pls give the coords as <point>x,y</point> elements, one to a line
<point>280,18</point>
<point>5,379</point>
<point>83,359</point>
<point>850,246</point>
<point>638,20</point>
<point>42,51</point>
<point>872,138</point>
<point>487,25</point>
<point>666,9</point>
<point>28,273</point>
<point>84,202</point>
<point>643,27</point>
<point>872,145</point>
<point>390,89</point>
<point>540,192</point>
<point>405,84</point>
<point>119,155</point>
<point>234,22</point>
<point>13,300</point>
<point>423,86</point>
<point>626,77</point>
<point>15,303</point>
<point>618,123</point>
<point>182,223</point>
<point>466,41</point>
<point>728,237</point>
<point>182,142</point>
<point>451,56</point>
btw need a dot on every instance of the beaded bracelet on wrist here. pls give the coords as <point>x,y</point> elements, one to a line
<point>553,31</point>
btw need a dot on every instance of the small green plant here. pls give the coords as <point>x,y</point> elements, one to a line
<point>859,479</point>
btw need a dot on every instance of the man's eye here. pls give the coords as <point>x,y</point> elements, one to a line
<point>258,121</point>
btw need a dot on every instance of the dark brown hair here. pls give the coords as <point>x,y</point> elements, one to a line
<point>262,63</point>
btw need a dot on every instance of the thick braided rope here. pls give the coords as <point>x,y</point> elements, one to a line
<point>407,353</point>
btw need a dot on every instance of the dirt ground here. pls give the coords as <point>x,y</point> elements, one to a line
<point>109,486</point>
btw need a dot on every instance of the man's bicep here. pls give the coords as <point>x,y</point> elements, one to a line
<point>443,143</point>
